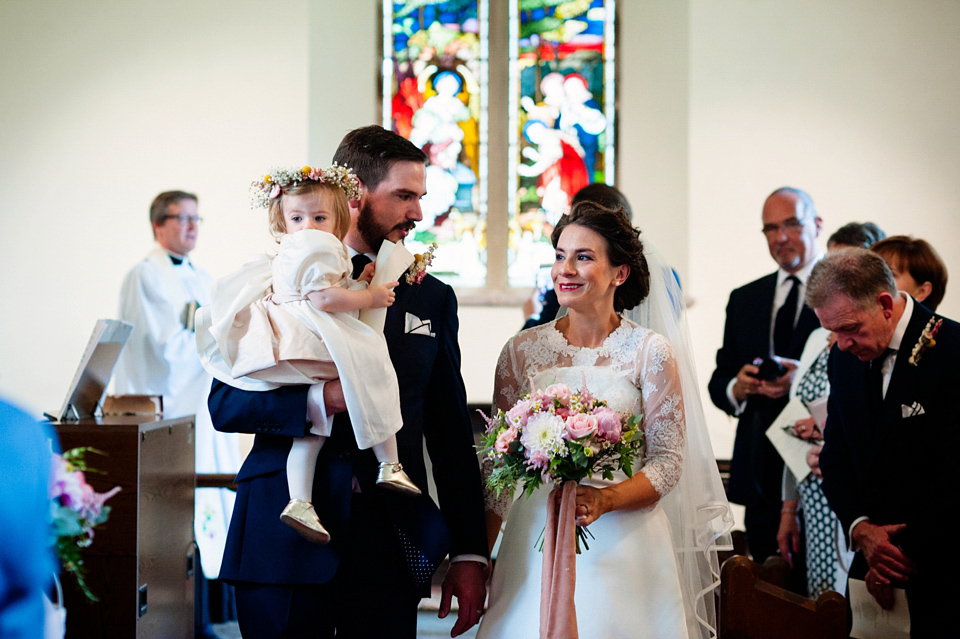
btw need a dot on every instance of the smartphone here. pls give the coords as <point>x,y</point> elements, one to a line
<point>770,369</point>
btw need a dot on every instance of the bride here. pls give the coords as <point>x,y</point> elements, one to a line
<point>651,567</point>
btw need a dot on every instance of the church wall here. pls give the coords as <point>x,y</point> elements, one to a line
<point>855,102</point>
<point>105,103</point>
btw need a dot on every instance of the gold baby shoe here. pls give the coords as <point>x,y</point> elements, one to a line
<point>392,477</point>
<point>301,516</point>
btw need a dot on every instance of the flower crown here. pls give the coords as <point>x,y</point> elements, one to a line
<point>273,183</point>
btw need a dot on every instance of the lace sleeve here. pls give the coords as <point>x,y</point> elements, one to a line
<point>664,423</point>
<point>506,392</point>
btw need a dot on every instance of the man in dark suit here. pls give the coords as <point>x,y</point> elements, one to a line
<point>893,430</point>
<point>766,319</point>
<point>384,548</point>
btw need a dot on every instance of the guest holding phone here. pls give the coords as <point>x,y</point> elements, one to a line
<point>766,319</point>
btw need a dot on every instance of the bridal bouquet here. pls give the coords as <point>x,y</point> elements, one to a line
<point>559,435</point>
<point>76,510</point>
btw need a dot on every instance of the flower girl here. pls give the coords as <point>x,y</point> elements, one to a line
<point>292,319</point>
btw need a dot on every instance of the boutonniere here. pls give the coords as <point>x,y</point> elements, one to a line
<point>926,340</point>
<point>418,270</point>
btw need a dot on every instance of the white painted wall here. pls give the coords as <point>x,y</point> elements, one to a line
<point>105,103</point>
<point>856,102</point>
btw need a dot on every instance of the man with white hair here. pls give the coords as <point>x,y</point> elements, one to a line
<point>766,320</point>
<point>893,428</point>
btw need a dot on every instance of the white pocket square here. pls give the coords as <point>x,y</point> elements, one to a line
<point>417,326</point>
<point>910,411</point>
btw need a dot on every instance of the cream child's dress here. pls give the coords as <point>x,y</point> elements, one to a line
<point>262,332</point>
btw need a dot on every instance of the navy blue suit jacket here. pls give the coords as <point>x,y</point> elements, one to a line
<point>899,469</point>
<point>756,469</point>
<point>261,549</point>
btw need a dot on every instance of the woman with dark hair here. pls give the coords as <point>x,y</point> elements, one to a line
<point>862,234</point>
<point>652,563</point>
<point>917,268</point>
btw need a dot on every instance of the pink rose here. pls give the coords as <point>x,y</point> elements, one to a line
<point>579,425</point>
<point>609,424</point>
<point>504,439</point>
<point>520,413</point>
<point>559,392</point>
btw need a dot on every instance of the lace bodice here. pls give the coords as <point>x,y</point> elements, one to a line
<point>633,370</point>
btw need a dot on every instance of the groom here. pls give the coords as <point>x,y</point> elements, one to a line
<point>893,430</point>
<point>368,580</point>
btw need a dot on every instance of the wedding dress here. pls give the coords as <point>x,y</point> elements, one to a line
<point>629,582</point>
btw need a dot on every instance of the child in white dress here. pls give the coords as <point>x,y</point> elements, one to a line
<point>293,320</point>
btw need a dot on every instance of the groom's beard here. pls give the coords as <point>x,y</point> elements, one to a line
<point>372,231</point>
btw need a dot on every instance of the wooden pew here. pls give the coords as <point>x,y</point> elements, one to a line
<point>752,608</point>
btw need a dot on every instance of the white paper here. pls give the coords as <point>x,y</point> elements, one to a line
<point>870,621</point>
<point>818,410</point>
<point>393,260</point>
<point>791,448</point>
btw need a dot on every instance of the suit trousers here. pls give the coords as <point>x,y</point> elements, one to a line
<point>762,522</point>
<point>370,596</point>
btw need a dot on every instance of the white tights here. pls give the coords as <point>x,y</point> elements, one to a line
<point>302,462</point>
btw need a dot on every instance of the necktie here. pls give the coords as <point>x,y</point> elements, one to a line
<point>359,262</point>
<point>875,381</point>
<point>783,325</point>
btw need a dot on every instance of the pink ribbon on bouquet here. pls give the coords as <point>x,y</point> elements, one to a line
<point>558,616</point>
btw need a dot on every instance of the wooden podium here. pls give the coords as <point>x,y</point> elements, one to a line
<point>142,562</point>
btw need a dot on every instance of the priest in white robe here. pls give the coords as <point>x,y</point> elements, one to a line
<point>159,297</point>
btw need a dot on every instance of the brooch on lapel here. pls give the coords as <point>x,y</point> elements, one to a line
<point>926,340</point>
<point>418,270</point>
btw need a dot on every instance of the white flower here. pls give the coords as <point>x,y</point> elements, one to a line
<point>544,434</point>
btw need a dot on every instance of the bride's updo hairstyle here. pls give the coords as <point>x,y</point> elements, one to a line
<point>623,247</point>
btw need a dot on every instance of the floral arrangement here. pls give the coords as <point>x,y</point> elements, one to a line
<point>559,435</point>
<point>76,509</point>
<point>926,340</point>
<point>418,270</point>
<point>273,183</point>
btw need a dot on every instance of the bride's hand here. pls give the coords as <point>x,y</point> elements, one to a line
<point>591,503</point>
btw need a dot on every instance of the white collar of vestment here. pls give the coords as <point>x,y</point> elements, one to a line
<point>184,259</point>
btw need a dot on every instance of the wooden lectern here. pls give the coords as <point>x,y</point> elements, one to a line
<point>142,562</point>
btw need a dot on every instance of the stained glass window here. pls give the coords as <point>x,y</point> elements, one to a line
<point>434,72</point>
<point>558,95</point>
<point>561,109</point>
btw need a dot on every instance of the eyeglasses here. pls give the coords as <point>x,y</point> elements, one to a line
<point>793,226</point>
<point>185,219</point>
